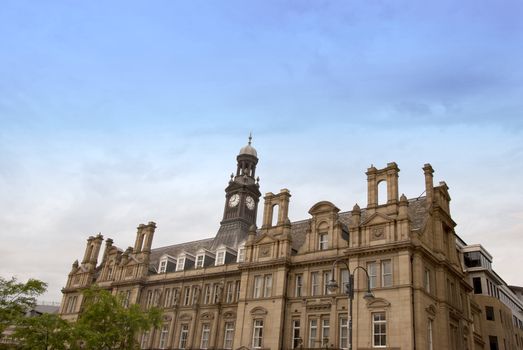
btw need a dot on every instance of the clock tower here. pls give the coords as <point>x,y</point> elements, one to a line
<point>241,200</point>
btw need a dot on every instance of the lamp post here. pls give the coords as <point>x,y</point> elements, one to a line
<point>349,290</point>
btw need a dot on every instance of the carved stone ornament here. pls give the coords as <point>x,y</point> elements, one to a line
<point>265,251</point>
<point>258,311</point>
<point>377,233</point>
<point>207,316</point>
<point>166,318</point>
<point>229,315</point>
<point>186,317</point>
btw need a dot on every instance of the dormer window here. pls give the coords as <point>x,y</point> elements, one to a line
<point>181,264</point>
<point>323,241</point>
<point>163,266</point>
<point>199,260</point>
<point>220,257</point>
<point>166,264</point>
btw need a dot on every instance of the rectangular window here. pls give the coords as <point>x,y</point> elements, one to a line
<point>145,339</point>
<point>186,296</point>
<point>426,280</point>
<point>429,335</point>
<point>207,294</point>
<point>206,331</point>
<point>489,312</point>
<point>267,291</point>
<point>230,292</point>
<point>257,334</point>
<point>344,278</point>
<point>237,287</point>
<point>343,333</point>
<point>156,297</point>
<point>325,332</point>
<point>220,258</point>
<point>493,341</point>
<point>315,283</point>
<point>216,294</point>
<point>163,337</point>
<point>181,264</point>
<point>327,276</point>
<point>313,333</point>
<point>149,300</point>
<point>163,266</point>
<point>379,330</point>
<point>199,261</point>
<point>296,340</point>
<point>229,335</point>
<point>258,285</point>
<point>241,254</point>
<point>386,273</point>
<point>110,273</point>
<point>373,274</point>
<point>476,281</point>
<point>298,285</point>
<point>167,298</point>
<point>323,241</point>
<point>184,334</point>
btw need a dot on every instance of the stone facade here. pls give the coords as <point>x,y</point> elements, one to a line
<point>266,287</point>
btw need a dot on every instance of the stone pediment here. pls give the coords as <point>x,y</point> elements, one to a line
<point>259,311</point>
<point>207,316</point>
<point>378,303</point>
<point>265,238</point>
<point>376,219</point>
<point>229,315</point>
<point>323,207</point>
<point>185,317</point>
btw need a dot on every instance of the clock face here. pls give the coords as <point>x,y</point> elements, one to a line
<point>234,200</point>
<point>250,202</point>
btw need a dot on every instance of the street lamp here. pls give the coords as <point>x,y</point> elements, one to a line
<point>349,290</point>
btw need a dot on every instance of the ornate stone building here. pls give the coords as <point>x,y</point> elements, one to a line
<point>266,288</point>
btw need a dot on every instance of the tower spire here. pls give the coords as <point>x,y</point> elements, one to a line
<point>250,137</point>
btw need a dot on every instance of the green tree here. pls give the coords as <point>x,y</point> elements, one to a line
<point>16,299</point>
<point>106,324</point>
<point>47,332</point>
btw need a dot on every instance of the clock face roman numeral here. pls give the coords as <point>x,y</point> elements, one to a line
<point>249,201</point>
<point>234,200</point>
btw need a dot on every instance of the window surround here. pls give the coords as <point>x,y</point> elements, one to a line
<point>164,261</point>
<point>206,336</point>
<point>296,339</point>
<point>228,336</point>
<point>184,336</point>
<point>262,286</point>
<point>379,329</point>
<point>298,285</point>
<point>257,333</point>
<point>164,333</point>
<point>323,241</point>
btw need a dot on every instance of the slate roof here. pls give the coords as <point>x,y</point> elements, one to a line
<point>417,212</point>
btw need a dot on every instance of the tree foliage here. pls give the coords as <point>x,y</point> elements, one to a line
<point>106,324</point>
<point>16,299</point>
<point>47,331</point>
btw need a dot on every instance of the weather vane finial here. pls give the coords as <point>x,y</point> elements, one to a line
<point>250,137</point>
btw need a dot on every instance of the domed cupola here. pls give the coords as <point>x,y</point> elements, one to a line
<point>247,160</point>
<point>248,149</point>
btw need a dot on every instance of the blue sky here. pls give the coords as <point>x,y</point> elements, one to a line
<point>117,113</point>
